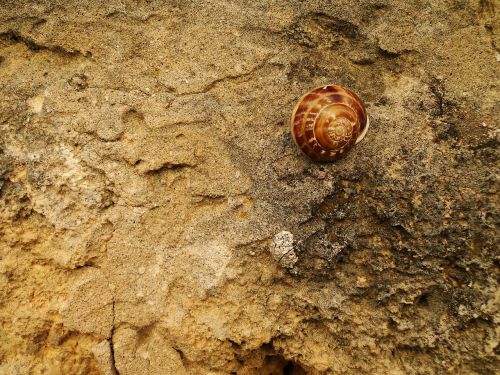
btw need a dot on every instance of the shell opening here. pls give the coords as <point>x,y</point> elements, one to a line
<point>365,130</point>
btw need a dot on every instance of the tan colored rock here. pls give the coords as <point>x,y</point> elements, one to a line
<point>146,167</point>
<point>89,308</point>
<point>104,357</point>
<point>145,353</point>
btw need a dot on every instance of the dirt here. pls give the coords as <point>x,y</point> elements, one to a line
<point>147,168</point>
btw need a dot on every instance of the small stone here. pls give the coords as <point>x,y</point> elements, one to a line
<point>36,103</point>
<point>282,249</point>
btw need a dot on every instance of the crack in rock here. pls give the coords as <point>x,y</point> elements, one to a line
<point>283,250</point>
<point>16,37</point>
<point>216,82</point>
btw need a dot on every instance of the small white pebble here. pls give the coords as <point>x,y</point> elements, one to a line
<point>282,249</point>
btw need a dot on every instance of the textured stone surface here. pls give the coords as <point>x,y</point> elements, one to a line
<point>283,250</point>
<point>146,166</point>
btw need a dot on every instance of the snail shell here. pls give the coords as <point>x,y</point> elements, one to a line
<point>328,121</point>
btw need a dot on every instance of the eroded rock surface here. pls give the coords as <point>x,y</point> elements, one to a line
<point>146,166</point>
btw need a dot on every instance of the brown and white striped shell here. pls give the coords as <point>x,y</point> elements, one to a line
<point>328,121</point>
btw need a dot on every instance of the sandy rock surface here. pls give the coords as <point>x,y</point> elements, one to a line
<point>147,175</point>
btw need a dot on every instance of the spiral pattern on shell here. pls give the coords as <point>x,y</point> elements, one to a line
<point>328,121</point>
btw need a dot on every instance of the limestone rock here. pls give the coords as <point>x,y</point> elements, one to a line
<point>150,186</point>
<point>282,249</point>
